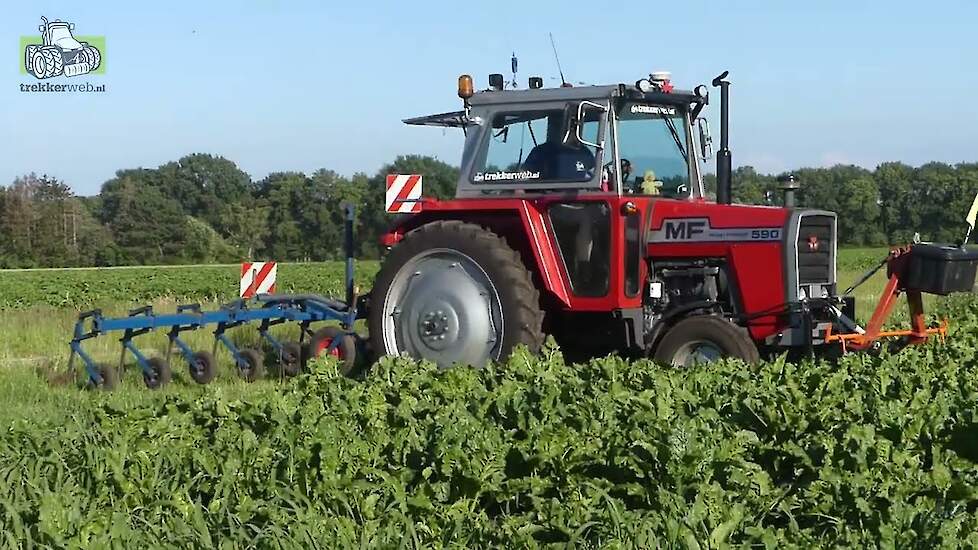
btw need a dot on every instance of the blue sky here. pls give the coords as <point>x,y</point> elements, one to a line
<point>291,85</point>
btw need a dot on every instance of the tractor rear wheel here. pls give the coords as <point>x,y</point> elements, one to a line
<point>93,57</point>
<point>702,339</point>
<point>29,52</point>
<point>53,62</point>
<point>38,64</point>
<point>454,292</point>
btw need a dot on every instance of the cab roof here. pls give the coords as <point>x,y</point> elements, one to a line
<point>457,119</point>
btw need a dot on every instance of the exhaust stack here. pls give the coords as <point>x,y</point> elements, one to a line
<point>723,155</point>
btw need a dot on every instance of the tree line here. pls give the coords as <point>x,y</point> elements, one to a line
<point>204,209</point>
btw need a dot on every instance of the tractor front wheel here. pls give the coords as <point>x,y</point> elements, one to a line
<point>454,293</point>
<point>702,339</point>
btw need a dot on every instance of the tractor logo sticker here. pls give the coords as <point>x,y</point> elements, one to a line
<point>57,51</point>
<point>503,175</point>
<point>652,110</point>
<point>699,230</point>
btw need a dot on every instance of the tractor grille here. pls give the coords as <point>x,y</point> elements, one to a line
<point>816,246</point>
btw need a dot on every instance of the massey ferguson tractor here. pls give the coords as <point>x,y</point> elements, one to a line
<point>60,52</point>
<point>581,212</point>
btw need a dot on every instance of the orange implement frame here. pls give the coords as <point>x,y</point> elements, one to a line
<point>917,334</point>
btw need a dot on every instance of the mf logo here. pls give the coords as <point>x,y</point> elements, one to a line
<point>58,52</point>
<point>684,229</point>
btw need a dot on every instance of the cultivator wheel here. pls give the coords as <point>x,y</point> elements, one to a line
<point>345,350</point>
<point>290,359</point>
<point>454,292</point>
<point>203,369</point>
<point>253,367</point>
<point>109,378</point>
<point>159,373</point>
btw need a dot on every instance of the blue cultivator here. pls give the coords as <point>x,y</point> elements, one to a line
<point>267,309</point>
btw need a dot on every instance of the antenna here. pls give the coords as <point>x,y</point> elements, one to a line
<point>513,64</point>
<point>563,81</point>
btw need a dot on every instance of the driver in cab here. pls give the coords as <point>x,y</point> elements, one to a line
<point>562,157</point>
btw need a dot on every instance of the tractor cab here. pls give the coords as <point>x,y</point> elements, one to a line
<point>595,139</point>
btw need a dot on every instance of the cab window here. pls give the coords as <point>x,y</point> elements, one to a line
<point>536,147</point>
<point>653,150</point>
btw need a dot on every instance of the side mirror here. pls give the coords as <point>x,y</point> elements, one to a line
<point>706,140</point>
<point>71,26</point>
<point>40,28</point>
<point>574,125</point>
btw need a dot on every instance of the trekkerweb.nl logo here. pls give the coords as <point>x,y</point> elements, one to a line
<point>57,52</point>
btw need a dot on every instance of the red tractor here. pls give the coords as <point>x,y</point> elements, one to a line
<point>581,212</point>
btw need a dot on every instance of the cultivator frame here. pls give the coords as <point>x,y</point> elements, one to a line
<point>270,309</point>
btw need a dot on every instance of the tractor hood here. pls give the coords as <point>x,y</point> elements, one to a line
<point>62,38</point>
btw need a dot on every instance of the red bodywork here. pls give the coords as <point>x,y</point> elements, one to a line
<point>757,267</point>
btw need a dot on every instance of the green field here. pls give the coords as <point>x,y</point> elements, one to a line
<point>869,451</point>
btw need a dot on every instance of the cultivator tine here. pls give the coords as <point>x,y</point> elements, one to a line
<point>122,354</point>
<point>71,365</point>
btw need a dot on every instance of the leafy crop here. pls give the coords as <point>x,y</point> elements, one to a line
<point>872,450</point>
<point>88,288</point>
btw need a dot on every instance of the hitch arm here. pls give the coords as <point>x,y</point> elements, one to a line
<point>917,334</point>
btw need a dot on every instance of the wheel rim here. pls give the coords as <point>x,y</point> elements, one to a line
<point>324,344</point>
<point>442,306</point>
<point>39,64</point>
<point>697,352</point>
<point>198,368</point>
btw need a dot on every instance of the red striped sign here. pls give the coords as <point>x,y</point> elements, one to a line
<point>257,278</point>
<point>403,194</point>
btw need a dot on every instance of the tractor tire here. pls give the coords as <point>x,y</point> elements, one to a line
<point>254,367</point>
<point>93,56</point>
<point>702,339</point>
<point>159,373</point>
<point>53,62</point>
<point>39,64</point>
<point>29,52</point>
<point>345,351</point>
<point>203,369</point>
<point>290,360</point>
<point>454,293</point>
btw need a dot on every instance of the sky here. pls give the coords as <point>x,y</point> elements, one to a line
<point>277,85</point>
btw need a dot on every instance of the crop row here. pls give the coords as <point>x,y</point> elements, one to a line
<point>870,451</point>
<point>88,288</point>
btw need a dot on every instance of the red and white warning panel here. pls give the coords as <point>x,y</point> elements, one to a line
<point>403,194</point>
<point>257,278</point>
